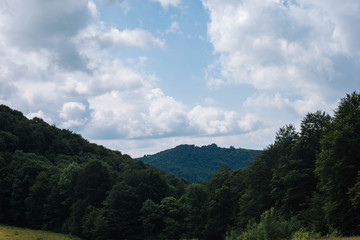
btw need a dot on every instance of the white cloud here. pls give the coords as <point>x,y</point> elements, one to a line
<point>164,112</point>
<point>291,47</point>
<point>174,28</point>
<point>51,26</point>
<point>137,37</point>
<point>216,121</point>
<point>215,83</point>
<point>72,110</point>
<point>74,114</point>
<point>166,3</point>
<point>138,114</point>
<point>39,114</point>
<point>268,101</point>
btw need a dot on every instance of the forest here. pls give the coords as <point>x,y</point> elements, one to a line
<point>306,183</point>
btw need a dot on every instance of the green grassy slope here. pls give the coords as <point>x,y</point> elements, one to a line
<point>14,233</point>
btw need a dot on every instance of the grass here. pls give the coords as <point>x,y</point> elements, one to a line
<point>343,238</point>
<point>14,233</point>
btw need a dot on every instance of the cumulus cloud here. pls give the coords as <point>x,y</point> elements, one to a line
<point>287,46</point>
<point>164,112</point>
<point>137,37</point>
<point>139,114</point>
<point>216,121</point>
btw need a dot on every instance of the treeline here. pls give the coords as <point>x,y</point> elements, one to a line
<point>197,163</point>
<point>55,180</point>
<point>306,183</point>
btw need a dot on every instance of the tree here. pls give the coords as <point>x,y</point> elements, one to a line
<point>122,211</point>
<point>224,190</point>
<point>61,197</point>
<point>151,218</point>
<point>91,186</point>
<point>173,218</point>
<point>338,165</point>
<point>257,194</point>
<point>5,187</point>
<point>293,181</point>
<point>354,193</point>
<point>92,183</point>
<point>195,203</point>
<point>37,198</point>
<point>24,169</point>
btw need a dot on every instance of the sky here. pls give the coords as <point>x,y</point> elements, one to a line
<point>142,76</point>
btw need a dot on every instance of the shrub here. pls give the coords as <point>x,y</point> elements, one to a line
<point>272,226</point>
<point>303,234</point>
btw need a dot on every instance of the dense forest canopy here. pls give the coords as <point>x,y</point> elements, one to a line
<point>305,183</point>
<point>197,163</point>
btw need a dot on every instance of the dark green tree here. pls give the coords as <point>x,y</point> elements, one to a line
<point>257,194</point>
<point>293,182</point>
<point>225,187</point>
<point>151,218</point>
<point>173,215</point>
<point>122,213</point>
<point>91,186</point>
<point>338,166</point>
<point>61,197</point>
<point>195,203</point>
<point>36,199</point>
<point>5,186</point>
<point>24,169</point>
<point>92,183</point>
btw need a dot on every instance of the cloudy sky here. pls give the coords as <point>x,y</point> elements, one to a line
<point>141,76</point>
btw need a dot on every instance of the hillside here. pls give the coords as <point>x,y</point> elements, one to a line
<point>53,179</point>
<point>198,163</point>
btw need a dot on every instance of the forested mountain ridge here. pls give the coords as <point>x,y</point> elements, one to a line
<point>198,163</point>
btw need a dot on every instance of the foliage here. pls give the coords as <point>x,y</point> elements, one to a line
<point>272,226</point>
<point>303,234</point>
<point>338,166</point>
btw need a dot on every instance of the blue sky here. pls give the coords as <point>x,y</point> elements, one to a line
<point>141,76</point>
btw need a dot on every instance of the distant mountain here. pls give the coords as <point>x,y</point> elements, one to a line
<point>197,163</point>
